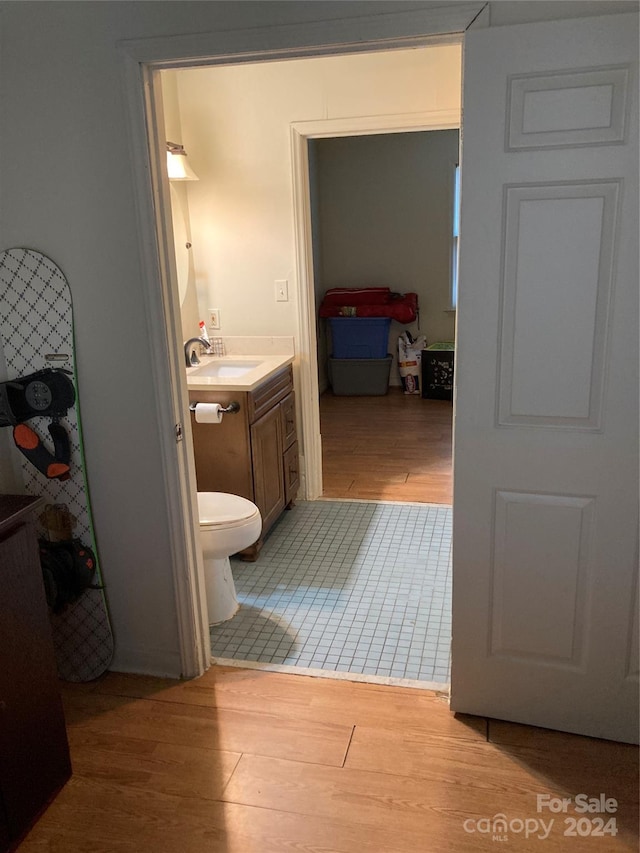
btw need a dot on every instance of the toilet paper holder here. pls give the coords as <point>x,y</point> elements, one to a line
<point>231,409</point>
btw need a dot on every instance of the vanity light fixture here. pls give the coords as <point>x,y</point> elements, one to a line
<point>178,168</point>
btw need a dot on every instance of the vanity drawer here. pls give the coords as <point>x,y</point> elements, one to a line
<point>269,393</point>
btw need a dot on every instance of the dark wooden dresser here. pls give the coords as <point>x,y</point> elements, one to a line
<point>34,753</point>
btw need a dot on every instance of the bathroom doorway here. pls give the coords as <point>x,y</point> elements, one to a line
<point>303,310</point>
<point>383,610</point>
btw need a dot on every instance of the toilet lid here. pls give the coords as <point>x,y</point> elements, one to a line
<point>220,508</point>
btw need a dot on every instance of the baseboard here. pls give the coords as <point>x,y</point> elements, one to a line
<point>160,663</point>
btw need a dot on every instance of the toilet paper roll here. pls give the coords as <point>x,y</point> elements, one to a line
<point>208,413</point>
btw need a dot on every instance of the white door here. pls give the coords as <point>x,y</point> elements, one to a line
<point>545,557</point>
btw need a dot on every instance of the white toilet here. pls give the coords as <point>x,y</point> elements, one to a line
<point>228,523</point>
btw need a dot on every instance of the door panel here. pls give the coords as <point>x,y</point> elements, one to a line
<point>546,427</point>
<point>268,476</point>
<point>556,233</point>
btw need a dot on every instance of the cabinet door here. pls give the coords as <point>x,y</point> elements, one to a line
<point>288,414</point>
<point>34,755</point>
<point>268,476</point>
<point>291,473</point>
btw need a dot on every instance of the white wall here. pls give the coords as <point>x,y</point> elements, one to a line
<point>236,124</point>
<point>67,190</point>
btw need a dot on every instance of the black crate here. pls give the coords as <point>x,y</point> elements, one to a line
<point>437,374</point>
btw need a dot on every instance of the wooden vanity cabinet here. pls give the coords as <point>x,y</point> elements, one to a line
<point>34,753</point>
<point>253,453</point>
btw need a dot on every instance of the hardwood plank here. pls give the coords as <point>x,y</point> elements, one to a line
<point>342,480</point>
<point>304,698</point>
<point>336,493</point>
<point>209,727</point>
<point>380,802</point>
<point>378,479</point>
<point>597,765</point>
<point>500,731</point>
<point>97,817</point>
<point>181,770</point>
<point>415,752</point>
<point>372,462</point>
<point>401,493</point>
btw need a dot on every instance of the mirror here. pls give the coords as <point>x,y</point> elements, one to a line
<point>180,236</point>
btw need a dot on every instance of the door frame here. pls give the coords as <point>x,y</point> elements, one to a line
<point>301,133</point>
<point>142,59</point>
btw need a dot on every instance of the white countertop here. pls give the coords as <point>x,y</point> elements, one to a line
<point>266,366</point>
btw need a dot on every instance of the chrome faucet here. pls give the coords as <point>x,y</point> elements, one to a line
<point>192,359</point>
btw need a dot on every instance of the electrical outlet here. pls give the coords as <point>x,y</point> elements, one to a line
<point>282,290</point>
<point>214,318</point>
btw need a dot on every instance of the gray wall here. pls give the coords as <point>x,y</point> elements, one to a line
<point>384,209</point>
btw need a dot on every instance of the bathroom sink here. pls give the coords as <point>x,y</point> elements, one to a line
<point>224,368</point>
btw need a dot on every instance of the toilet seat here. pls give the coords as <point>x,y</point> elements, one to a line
<point>220,509</point>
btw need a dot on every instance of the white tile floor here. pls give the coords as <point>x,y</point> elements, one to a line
<point>348,586</point>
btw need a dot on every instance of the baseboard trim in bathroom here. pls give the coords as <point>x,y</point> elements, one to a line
<point>390,681</point>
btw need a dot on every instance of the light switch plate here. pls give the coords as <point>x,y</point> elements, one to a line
<point>282,290</point>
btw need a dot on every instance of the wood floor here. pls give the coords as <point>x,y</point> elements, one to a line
<point>395,447</point>
<point>243,761</point>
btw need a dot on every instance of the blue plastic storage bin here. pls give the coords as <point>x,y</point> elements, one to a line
<point>359,337</point>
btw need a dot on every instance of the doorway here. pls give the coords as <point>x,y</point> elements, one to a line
<point>305,331</point>
<point>383,237</point>
<point>259,632</point>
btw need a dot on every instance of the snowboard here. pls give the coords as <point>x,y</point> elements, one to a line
<point>36,331</point>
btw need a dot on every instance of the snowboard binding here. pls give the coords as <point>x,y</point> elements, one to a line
<point>46,393</point>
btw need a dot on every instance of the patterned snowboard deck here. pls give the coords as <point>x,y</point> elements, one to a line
<point>36,321</point>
